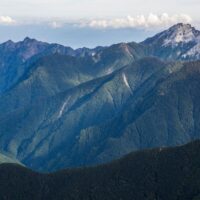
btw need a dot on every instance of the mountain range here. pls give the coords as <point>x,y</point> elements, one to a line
<point>61,107</point>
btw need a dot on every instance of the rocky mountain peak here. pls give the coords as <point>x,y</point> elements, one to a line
<point>180,33</point>
<point>28,40</point>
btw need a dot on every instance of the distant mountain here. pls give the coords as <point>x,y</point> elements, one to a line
<point>18,58</point>
<point>180,42</point>
<point>161,173</point>
<point>15,58</point>
<point>61,107</point>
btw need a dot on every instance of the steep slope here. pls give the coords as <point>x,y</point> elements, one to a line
<point>163,174</point>
<point>167,115</point>
<point>117,56</point>
<point>180,42</point>
<point>47,77</point>
<point>49,133</point>
<point>15,58</point>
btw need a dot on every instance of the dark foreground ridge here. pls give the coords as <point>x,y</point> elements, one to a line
<point>169,173</point>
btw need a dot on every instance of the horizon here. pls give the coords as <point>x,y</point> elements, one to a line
<point>86,23</point>
<point>98,45</point>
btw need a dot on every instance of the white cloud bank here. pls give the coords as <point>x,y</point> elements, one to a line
<point>140,21</point>
<point>6,20</point>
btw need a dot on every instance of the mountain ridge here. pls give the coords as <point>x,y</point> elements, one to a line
<point>162,173</point>
<point>180,42</point>
<point>62,110</point>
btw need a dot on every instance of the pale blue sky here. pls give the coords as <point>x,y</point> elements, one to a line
<point>96,8</point>
<point>92,22</point>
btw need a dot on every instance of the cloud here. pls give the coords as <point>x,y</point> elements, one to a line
<point>150,21</point>
<point>56,24</point>
<point>6,20</point>
<point>140,21</point>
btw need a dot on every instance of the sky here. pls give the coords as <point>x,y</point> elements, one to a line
<point>90,23</point>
